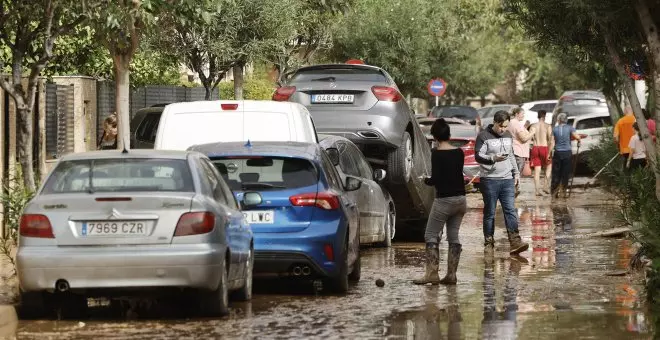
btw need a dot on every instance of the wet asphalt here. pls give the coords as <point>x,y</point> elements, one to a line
<point>570,284</point>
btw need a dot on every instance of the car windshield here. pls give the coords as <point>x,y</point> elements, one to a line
<point>339,74</point>
<point>266,173</point>
<point>463,131</point>
<point>120,175</point>
<point>462,112</point>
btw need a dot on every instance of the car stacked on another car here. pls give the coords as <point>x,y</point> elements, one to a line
<point>376,208</point>
<point>114,223</point>
<point>307,225</point>
<point>363,104</point>
<point>578,103</point>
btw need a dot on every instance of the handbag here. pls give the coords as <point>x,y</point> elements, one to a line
<point>527,170</point>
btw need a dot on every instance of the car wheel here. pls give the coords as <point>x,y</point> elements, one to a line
<point>400,161</point>
<point>245,293</point>
<point>339,284</point>
<point>216,303</point>
<point>390,221</point>
<point>32,305</point>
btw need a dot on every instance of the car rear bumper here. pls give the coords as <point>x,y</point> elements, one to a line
<point>278,254</point>
<point>186,266</point>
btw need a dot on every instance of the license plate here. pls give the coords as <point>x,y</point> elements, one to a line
<point>260,216</point>
<point>333,98</point>
<point>114,228</point>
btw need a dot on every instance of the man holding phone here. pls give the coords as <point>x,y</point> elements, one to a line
<point>499,177</point>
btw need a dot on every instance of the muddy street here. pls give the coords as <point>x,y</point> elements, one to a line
<point>568,285</point>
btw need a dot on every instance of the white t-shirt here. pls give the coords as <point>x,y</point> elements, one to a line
<point>636,144</point>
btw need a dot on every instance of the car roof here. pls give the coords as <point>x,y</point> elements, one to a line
<point>136,153</point>
<point>339,66</point>
<point>548,101</point>
<point>244,105</point>
<point>283,149</point>
<point>584,94</point>
<point>589,115</point>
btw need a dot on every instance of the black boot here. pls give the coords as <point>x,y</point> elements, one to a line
<point>489,246</point>
<point>517,245</point>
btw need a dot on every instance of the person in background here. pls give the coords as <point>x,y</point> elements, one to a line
<point>499,176</point>
<point>623,131</point>
<point>562,155</point>
<point>521,138</point>
<point>108,140</point>
<point>539,157</point>
<point>650,123</point>
<point>448,208</point>
<point>637,155</point>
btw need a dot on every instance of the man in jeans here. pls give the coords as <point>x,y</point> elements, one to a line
<point>562,155</point>
<point>499,176</point>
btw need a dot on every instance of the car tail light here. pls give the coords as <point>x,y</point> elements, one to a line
<point>323,200</point>
<point>33,225</point>
<point>283,93</point>
<point>566,99</point>
<point>386,93</point>
<point>329,252</point>
<point>229,107</point>
<point>195,223</point>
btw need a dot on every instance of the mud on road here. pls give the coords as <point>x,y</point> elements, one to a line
<point>558,289</point>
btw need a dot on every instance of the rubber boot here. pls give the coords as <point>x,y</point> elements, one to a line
<point>453,258</point>
<point>432,263</point>
<point>517,245</point>
<point>489,246</point>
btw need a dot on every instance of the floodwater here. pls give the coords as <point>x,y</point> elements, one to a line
<point>564,287</point>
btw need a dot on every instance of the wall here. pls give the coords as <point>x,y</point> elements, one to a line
<point>84,110</point>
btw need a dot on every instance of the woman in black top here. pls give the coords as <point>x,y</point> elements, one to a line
<point>449,206</point>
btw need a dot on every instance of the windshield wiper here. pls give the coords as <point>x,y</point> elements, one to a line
<point>324,79</point>
<point>255,185</point>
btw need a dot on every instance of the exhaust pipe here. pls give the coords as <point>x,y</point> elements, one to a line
<point>306,271</point>
<point>62,286</point>
<point>297,271</point>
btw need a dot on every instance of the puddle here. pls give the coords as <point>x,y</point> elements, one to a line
<point>559,289</point>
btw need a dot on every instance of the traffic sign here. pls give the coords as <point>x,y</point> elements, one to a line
<point>437,87</point>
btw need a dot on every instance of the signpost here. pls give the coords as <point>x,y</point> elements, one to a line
<point>437,88</point>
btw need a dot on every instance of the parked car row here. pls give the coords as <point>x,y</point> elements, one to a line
<point>233,190</point>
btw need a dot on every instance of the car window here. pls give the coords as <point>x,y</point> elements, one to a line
<point>222,187</point>
<point>265,172</point>
<point>462,112</point>
<point>363,166</point>
<point>570,121</point>
<point>347,162</point>
<point>607,121</point>
<point>589,123</point>
<point>334,181</point>
<point>548,107</point>
<point>538,107</point>
<point>120,175</point>
<point>214,179</point>
<point>148,127</point>
<point>339,74</point>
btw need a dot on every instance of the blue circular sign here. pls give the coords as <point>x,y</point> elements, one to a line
<point>437,87</point>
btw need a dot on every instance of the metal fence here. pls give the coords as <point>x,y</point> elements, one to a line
<point>59,120</point>
<point>144,97</point>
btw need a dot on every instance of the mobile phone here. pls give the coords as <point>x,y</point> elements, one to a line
<point>504,154</point>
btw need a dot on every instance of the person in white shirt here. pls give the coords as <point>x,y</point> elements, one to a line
<point>637,155</point>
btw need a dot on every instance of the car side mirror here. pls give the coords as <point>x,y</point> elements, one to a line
<point>251,199</point>
<point>352,183</point>
<point>333,154</point>
<point>379,175</point>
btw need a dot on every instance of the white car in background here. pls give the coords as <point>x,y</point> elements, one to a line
<point>591,128</point>
<point>532,109</point>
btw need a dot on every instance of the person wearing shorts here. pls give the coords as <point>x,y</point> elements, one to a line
<point>539,156</point>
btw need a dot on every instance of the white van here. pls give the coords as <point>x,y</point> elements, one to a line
<point>183,125</point>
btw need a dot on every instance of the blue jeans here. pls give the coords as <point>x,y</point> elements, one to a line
<point>502,190</point>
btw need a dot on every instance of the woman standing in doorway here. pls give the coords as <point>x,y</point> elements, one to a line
<point>108,140</point>
<point>448,208</point>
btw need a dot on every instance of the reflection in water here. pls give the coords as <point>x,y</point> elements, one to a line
<point>500,325</point>
<point>563,220</point>
<point>430,321</point>
<point>543,238</point>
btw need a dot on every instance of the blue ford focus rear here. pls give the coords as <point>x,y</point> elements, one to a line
<point>305,227</point>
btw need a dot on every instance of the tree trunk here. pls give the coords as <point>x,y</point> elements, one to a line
<point>24,143</point>
<point>122,89</point>
<point>207,92</point>
<point>238,81</point>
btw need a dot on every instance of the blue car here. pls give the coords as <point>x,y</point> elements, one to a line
<point>307,226</point>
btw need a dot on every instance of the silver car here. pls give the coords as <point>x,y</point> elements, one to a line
<point>364,104</point>
<point>488,113</point>
<point>377,210</point>
<point>111,223</point>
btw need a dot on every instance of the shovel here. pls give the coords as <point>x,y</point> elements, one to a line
<point>575,162</point>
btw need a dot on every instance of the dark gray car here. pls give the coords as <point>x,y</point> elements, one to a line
<point>578,103</point>
<point>364,104</point>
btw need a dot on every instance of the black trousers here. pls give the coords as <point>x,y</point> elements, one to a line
<point>562,167</point>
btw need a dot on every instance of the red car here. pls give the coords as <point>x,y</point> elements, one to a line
<point>464,136</point>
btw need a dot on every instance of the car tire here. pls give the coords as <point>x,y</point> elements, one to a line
<point>390,222</point>
<point>399,161</point>
<point>216,302</point>
<point>32,305</point>
<point>355,275</point>
<point>245,293</point>
<point>339,284</point>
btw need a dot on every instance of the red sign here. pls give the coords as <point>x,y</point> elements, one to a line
<point>437,87</point>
